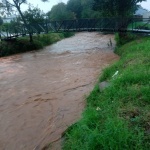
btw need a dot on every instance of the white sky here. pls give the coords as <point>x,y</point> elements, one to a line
<point>43,6</point>
<point>146,5</point>
<point>48,5</point>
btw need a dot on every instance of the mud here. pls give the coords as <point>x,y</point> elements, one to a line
<point>43,92</point>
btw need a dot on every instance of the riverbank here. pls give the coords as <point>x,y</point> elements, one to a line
<point>43,92</point>
<point>119,116</point>
<point>22,44</point>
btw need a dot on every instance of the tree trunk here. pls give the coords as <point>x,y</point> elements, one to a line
<point>31,38</point>
<point>25,23</point>
<point>122,30</point>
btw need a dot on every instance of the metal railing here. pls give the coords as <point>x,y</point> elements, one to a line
<point>136,25</point>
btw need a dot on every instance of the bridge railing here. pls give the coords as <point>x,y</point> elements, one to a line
<point>101,24</point>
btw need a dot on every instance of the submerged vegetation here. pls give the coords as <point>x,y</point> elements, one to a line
<point>23,44</point>
<point>118,118</point>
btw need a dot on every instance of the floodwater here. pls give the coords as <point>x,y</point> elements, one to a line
<point>43,92</point>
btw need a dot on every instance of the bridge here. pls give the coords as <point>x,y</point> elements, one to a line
<point>133,25</point>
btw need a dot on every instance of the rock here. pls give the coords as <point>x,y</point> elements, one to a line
<point>103,85</point>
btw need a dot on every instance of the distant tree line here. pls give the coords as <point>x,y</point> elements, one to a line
<point>77,9</point>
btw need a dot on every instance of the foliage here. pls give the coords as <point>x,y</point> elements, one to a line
<point>75,7</point>
<point>118,117</point>
<point>34,15</point>
<point>88,11</point>
<point>60,12</point>
<point>127,38</point>
<point>120,9</point>
<point>139,25</point>
<point>18,46</point>
<point>23,45</point>
<point>116,8</point>
<point>5,8</point>
<point>17,4</point>
<point>68,34</point>
<point>13,27</point>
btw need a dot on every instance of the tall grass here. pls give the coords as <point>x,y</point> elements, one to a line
<point>119,117</point>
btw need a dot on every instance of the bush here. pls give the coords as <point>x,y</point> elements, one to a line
<point>18,46</point>
<point>125,39</point>
<point>23,45</point>
<point>68,34</point>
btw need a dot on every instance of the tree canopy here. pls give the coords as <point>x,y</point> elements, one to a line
<point>88,11</point>
<point>17,4</point>
<point>116,8</point>
<point>74,9</point>
<point>34,15</point>
<point>60,12</point>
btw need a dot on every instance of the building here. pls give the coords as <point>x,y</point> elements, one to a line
<point>146,15</point>
<point>140,12</point>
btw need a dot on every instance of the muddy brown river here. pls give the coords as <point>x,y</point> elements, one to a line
<point>43,92</point>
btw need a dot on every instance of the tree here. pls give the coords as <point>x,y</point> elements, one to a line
<point>17,4</point>
<point>5,9</point>
<point>120,9</point>
<point>116,8</point>
<point>60,12</point>
<point>75,7</point>
<point>88,11</point>
<point>34,15</point>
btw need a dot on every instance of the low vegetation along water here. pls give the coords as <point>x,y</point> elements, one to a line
<point>118,118</point>
<point>43,92</point>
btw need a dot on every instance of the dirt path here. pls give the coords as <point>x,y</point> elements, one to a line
<point>42,93</point>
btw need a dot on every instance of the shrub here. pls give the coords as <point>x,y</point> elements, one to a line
<point>18,46</point>
<point>125,39</point>
<point>68,34</point>
<point>22,44</point>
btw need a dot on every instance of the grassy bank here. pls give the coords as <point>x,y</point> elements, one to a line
<point>22,44</point>
<point>139,25</point>
<point>117,118</point>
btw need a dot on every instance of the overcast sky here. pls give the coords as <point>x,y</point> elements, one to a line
<point>48,5</point>
<point>43,6</point>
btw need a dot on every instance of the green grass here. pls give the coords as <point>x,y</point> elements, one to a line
<point>119,117</point>
<point>139,24</point>
<point>22,44</point>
